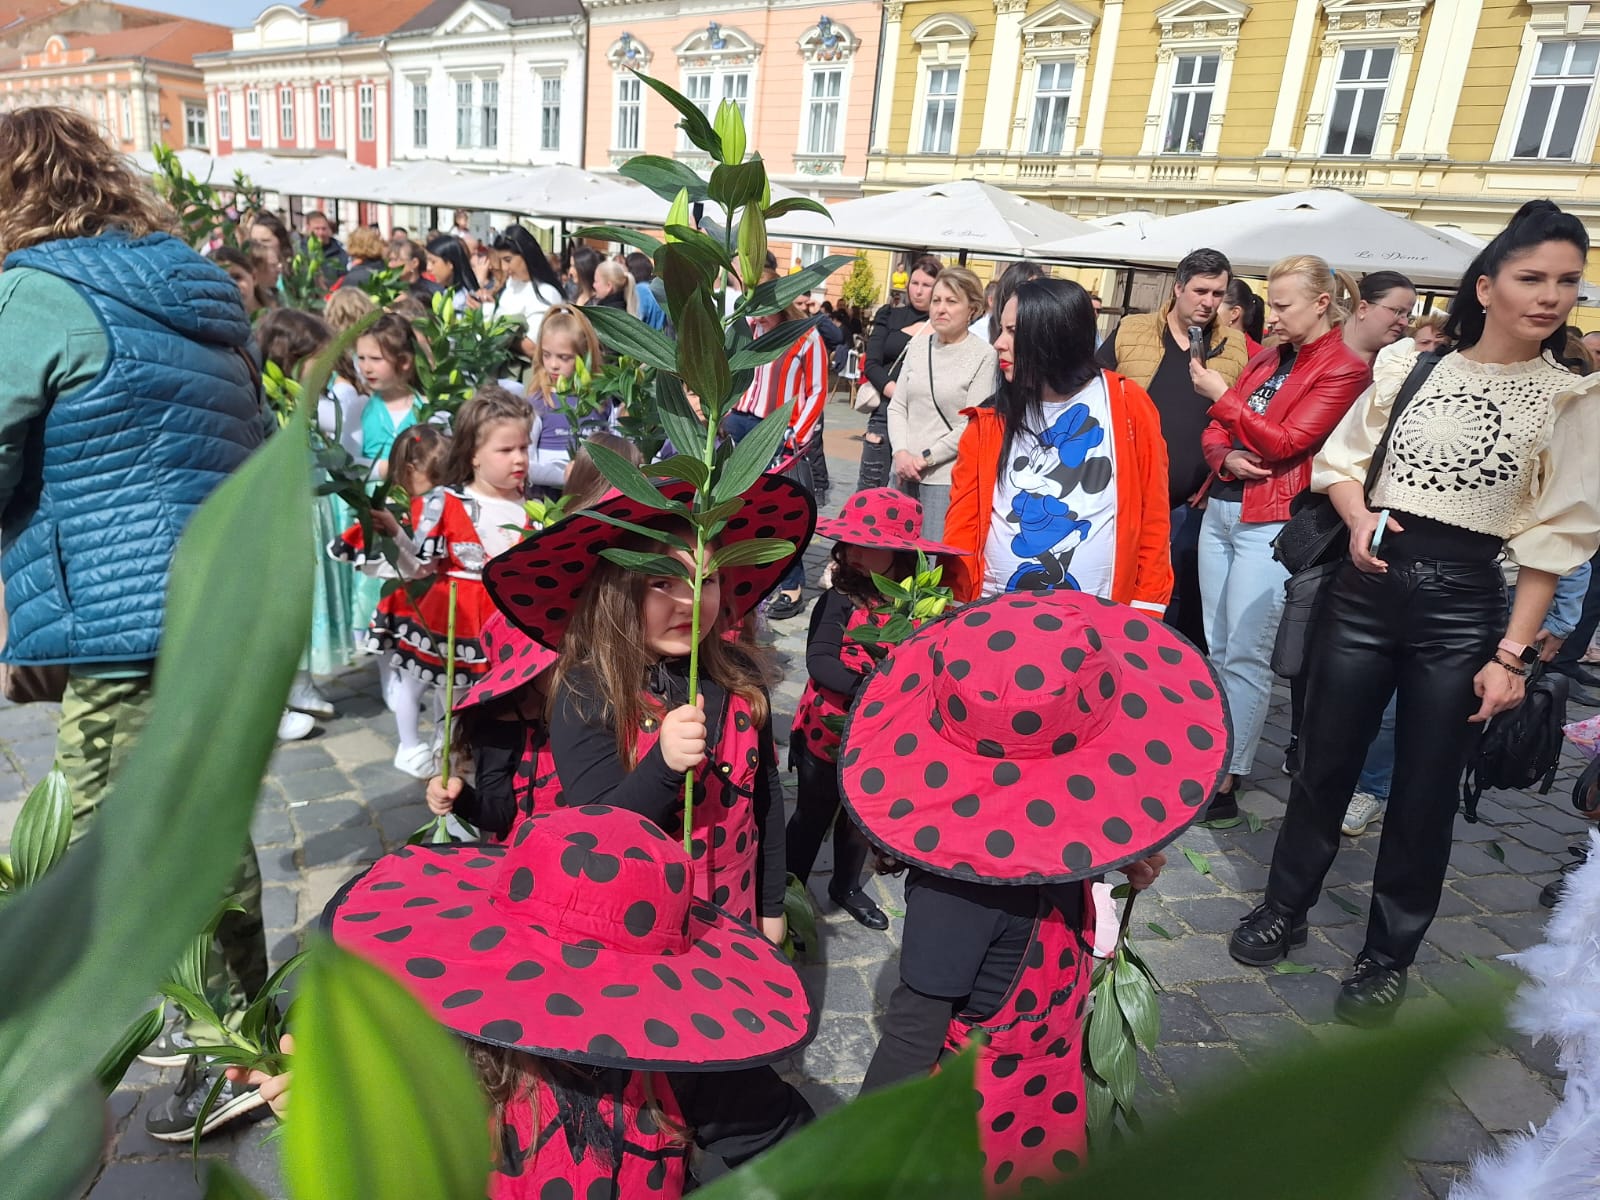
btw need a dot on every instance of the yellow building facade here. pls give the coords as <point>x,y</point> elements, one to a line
<point>1453,112</point>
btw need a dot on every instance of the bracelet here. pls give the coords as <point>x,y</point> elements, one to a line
<point>1517,670</point>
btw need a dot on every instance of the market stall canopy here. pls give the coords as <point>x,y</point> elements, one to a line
<point>1350,234</point>
<point>967,215</point>
<point>558,192</point>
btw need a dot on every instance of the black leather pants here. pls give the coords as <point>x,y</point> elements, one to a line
<point>1422,631</point>
<point>875,456</point>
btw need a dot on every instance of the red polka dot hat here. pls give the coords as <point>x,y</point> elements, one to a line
<point>514,659</point>
<point>884,519</point>
<point>582,940</point>
<point>1034,738</point>
<point>537,583</point>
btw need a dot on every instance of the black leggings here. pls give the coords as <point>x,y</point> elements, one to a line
<point>1420,632</point>
<point>876,456</point>
<point>817,804</point>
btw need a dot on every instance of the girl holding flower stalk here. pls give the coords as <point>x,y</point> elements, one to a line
<point>568,355</point>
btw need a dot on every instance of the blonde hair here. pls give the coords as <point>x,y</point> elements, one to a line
<point>965,285</point>
<point>60,179</point>
<point>367,245</point>
<point>1319,279</point>
<point>346,307</point>
<point>1428,320</point>
<point>489,405</point>
<point>564,319</point>
<point>621,280</point>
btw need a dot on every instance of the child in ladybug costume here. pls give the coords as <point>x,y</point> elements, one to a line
<point>603,1005</point>
<point>1009,754</point>
<point>878,532</point>
<point>624,729</point>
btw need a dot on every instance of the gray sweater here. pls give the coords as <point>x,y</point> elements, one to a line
<point>925,411</point>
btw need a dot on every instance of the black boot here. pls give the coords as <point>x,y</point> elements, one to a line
<point>1265,937</point>
<point>1371,996</point>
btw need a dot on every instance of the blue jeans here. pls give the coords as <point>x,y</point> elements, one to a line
<point>737,425</point>
<point>1242,589</point>
<point>1378,771</point>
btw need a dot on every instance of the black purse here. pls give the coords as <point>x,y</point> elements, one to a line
<point>1315,533</point>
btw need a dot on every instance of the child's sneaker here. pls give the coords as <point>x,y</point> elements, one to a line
<point>173,1119</point>
<point>293,726</point>
<point>168,1048</point>
<point>416,761</point>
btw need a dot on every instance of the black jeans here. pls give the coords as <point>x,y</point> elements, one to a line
<point>1186,612</point>
<point>876,456</point>
<point>1421,632</point>
<point>816,804</point>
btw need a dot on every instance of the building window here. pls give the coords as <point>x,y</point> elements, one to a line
<point>1052,93</point>
<point>127,118</point>
<point>939,110</point>
<point>550,112</point>
<point>809,254</point>
<point>252,115</point>
<point>324,113</point>
<point>477,114</point>
<point>366,113</point>
<point>419,113</point>
<point>224,118</point>
<point>490,119</point>
<point>628,105</point>
<point>194,124</point>
<point>1193,84</point>
<point>463,114</point>
<point>1557,100</point>
<point>1358,95</point>
<point>286,115</point>
<point>822,111</point>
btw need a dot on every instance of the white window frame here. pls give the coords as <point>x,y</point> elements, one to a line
<point>1061,33</point>
<point>1191,28</point>
<point>826,109</point>
<point>1364,23</point>
<point>1361,88</point>
<point>366,112</point>
<point>252,114</point>
<point>224,116</point>
<point>286,130</point>
<point>941,108</point>
<point>809,254</point>
<point>324,112</point>
<point>627,94</point>
<point>1582,144</point>
<point>127,119</point>
<point>827,46</point>
<point>489,113</point>
<point>1052,105</point>
<point>419,111</point>
<point>629,104</point>
<point>726,60</point>
<point>477,110</point>
<point>465,89</point>
<point>194,125</point>
<point>1185,94</point>
<point>942,41</point>
<point>1548,21</point>
<point>550,112</point>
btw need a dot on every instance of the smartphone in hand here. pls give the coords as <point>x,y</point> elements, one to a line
<point>1197,344</point>
<point>1377,534</point>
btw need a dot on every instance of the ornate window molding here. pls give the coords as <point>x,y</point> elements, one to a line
<point>628,51</point>
<point>1203,30</point>
<point>828,50</point>
<point>1057,37</point>
<point>1357,25</point>
<point>717,46</point>
<point>828,42</point>
<point>1550,22</point>
<point>628,111</point>
<point>943,45</point>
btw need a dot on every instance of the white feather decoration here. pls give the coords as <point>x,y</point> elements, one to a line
<point>1560,1160</point>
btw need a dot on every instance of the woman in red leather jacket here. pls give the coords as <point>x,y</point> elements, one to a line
<point>1263,433</point>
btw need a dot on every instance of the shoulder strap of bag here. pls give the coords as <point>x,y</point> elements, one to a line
<point>933,392</point>
<point>1408,391</point>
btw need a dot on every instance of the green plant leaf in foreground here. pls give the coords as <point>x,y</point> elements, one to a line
<point>44,826</point>
<point>383,1103</point>
<point>753,455</point>
<point>1294,968</point>
<point>914,1141</point>
<point>1198,861</point>
<point>649,564</point>
<point>1335,1115</point>
<point>224,1183</point>
<point>82,951</point>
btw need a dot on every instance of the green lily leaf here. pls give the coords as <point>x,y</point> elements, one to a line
<point>120,1057</point>
<point>739,187</point>
<point>789,204</point>
<point>1159,930</point>
<point>1198,861</point>
<point>703,364</point>
<point>628,479</point>
<point>655,535</point>
<point>1253,821</point>
<point>627,334</point>
<point>1294,968</point>
<point>1137,1000</point>
<point>225,1183</point>
<point>773,344</point>
<point>384,1101</point>
<point>1344,902</point>
<point>752,244</point>
<point>686,431</point>
<point>752,456</point>
<point>694,124</point>
<point>646,564</point>
<point>777,294</point>
<point>618,233</point>
<point>43,829</point>
<point>666,177</point>
<point>890,589</point>
<point>753,552</point>
<point>681,466</point>
<point>1110,1044</point>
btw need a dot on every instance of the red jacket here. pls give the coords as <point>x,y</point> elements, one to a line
<point>1325,380</point>
<point>1142,572</point>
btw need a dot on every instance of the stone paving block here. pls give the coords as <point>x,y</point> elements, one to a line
<point>841,1051</point>
<point>1244,996</point>
<point>1351,939</point>
<point>272,827</point>
<point>279,908</point>
<point>1453,904</point>
<point>838,989</point>
<point>1479,832</point>
<point>1526,860</point>
<point>1355,864</point>
<point>1473,858</point>
<point>1542,1056</point>
<point>1501,893</point>
<point>1239,873</point>
<point>1310,996</point>
<point>320,885</point>
<point>1219,915</point>
<point>1457,937</point>
<point>1257,1034</point>
<point>1500,1092</point>
<point>1180,881</point>
<point>330,815</point>
<point>319,784</point>
<point>398,824</point>
<point>164,1179</point>
<point>358,747</point>
<point>358,845</point>
<point>1258,846</point>
<point>1327,912</point>
<point>1560,817</point>
<point>1191,1067</point>
<point>1193,959</point>
<point>1184,1019</point>
<point>281,949</point>
<point>296,758</point>
<point>1518,929</point>
<point>1538,837</point>
<point>1440,1178</point>
<point>278,865</point>
<point>1445,1132</point>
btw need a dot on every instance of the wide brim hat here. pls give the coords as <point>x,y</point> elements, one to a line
<point>1034,738</point>
<point>580,941</point>
<point>537,583</point>
<point>884,519</point>
<point>514,659</point>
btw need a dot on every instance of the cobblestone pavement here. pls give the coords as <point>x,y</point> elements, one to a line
<point>333,802</point>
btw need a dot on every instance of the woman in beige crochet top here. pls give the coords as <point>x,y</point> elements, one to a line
<point>1498,451</point>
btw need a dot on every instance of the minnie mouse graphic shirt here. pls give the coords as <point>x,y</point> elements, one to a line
<point>1055,505</point>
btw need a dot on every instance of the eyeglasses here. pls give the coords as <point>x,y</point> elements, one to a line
<point>1400,314</point>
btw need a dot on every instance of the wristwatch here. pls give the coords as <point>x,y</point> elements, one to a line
<point>927,454</point>
<point>1525,654</point>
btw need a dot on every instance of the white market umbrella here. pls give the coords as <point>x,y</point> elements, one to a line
<point>1350,234</point>
<point>966,215</point>
<point>557,192</point>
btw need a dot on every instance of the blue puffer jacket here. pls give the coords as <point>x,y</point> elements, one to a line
<point>115,469</point>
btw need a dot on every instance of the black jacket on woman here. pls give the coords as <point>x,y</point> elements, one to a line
<point>886,342</point>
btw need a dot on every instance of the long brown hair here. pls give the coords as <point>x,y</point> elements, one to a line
<point>489,405</point>
<point>585,484</point>
<point>422,448</point>
<point>60,179</point>
<point>287,337</point>
<point>605,662</point>
<point>397,341</point>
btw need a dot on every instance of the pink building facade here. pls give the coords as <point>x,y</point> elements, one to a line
<point>802,72</point>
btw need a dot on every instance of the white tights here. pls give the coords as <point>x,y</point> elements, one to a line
<point>406,695</point>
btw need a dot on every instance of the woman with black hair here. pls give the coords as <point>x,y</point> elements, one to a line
<point>1495,452</point>
<point>531,286</point>
<point>1061,479</point>
<point>1381,314</point>
<point>451,269</point>
<point>584,260</point>
<point>1243,310</point>
<point>892,330</point>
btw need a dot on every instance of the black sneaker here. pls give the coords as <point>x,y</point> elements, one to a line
<point>782,607</point>
<point>1224,806</point>
<point>1291,757</point>
<point>168,1048</point>
<point>173,1119</point>
<point>862,907</point>
<point>1371,996</point>
<point>1265,937</point>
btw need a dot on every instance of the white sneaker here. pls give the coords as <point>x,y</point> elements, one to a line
<point>1363,810</point>
<point>304,697</point>
<point>416,761</point>
<point>293,726</point>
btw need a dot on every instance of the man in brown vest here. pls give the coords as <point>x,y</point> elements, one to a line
<point>1152,349</point>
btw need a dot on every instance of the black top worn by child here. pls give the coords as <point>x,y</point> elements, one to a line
<point>503,778</point>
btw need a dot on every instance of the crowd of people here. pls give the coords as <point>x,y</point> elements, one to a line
<point>1105,504</point>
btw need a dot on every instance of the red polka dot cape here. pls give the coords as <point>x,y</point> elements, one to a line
<point>540,582</point>
<point>582,941</point>
<point>1034,738</point>
<point>884,519</point>
<point>817,703</point>
<point>512,658</point>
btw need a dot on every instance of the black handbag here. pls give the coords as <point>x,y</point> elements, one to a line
<point>1302,600</point>
<point>1315,533</point>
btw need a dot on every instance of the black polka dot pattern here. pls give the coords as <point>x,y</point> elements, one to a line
<point>519,580</point>
<point>884,519</point>
<point>514,660</point>
<point>1089,728</point>
<point>576,945</point>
